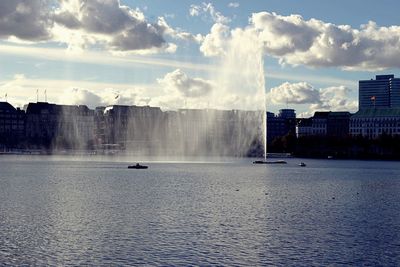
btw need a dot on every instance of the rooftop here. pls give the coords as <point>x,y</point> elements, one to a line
<point>5,106</point>
<point>377,112</point>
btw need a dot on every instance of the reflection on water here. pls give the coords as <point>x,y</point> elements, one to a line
<point>64,212</point>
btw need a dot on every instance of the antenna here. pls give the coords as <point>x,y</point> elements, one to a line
<point>37,95</point>
<point>5,96</point>
<point>45,96</point>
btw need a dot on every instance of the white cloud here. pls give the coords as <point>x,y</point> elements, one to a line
<point>178,81</point>
<point>214,44</point>
<point>294,93</point>
<point>21,90</point>
<point>116,26</point>
<point>234,5</point>
<point>178,33</point>
<point>104,97</point>
<point>85,24</point>
<point>296,41</point>
<point>335,99</point>
<point>207,9</point>
<point>325,99</point>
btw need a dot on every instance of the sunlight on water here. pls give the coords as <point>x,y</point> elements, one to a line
<point>97,212</point>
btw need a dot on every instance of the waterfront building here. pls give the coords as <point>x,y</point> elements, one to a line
<point>372,123</point>
<point>41,123</point>
<point>338,124</point>
<point>324,123</point>
<point>12,125</point>
<point>99,126</point>
<point>138,128</point>
<point>320,123</point>
<point>304,127</point>
<point>281,124</point>
<point>59,126</point>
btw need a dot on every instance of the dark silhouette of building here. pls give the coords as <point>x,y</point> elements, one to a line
<point>12,125</point>
<point>133,127</point>
<point>59,126</point>
<point>281,124</point>
<point>325,123</point>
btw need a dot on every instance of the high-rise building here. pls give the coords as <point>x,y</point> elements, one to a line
<point>383,92</point>
<point>395,93</point>
<point>374,93</point>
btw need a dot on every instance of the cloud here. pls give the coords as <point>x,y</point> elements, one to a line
<point>233,5</point>
<point>81,24</point>
<point>295,93</point>
<point>178,33</point>
<point>208,10</point>
<point>334,98</point>
<point>27,20</point>
<point>178,81</point>
<point>214,44</point>
<point>91,57</point>
<point>105,97</point>
<point>118,27</point>
<point>76,96</point>
<point>22,89</point>
<point>315,43</point>
<point>173,91</point>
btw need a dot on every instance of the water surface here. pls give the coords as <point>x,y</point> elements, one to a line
<point>76,211</point>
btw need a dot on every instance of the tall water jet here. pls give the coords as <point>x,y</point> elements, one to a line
<point>241,80</point>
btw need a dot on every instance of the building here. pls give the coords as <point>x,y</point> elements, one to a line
<point>319,124</point>
<point>395,93</point>
<point>372,123</point>
<point>338,124</point>
<point>324,123</point>
<point>281,124</point>
<point>136,128</point>
<point>59,126</point>
<point>12,125</point>
<point>383,92</point>
<point>379,108</point>
<point>304,127</point>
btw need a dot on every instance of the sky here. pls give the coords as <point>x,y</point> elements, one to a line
<point>307,55</point>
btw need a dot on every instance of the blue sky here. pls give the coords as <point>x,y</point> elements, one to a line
<point>196,54</point>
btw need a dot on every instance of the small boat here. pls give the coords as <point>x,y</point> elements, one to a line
<point>269,162</point>
<point>137,166</point>
<point>302,164</point>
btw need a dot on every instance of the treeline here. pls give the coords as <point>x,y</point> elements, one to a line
<point>358,147</point>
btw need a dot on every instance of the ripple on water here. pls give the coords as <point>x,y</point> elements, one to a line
<point>69,213</point>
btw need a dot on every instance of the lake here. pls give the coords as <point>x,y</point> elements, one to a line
<point>95,211</point>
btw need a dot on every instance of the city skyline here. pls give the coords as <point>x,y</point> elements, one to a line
<point>168,54</point>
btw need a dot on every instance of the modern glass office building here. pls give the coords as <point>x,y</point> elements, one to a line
<point>383,92</point>
<point>374,93</point>
<point>395,93</point>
